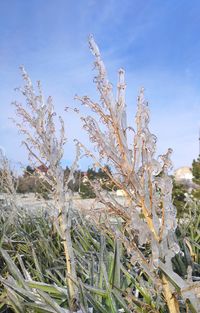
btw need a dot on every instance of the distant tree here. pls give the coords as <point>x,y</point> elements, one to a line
<point>66,172</point>
<point>91,174</point>
<point>178,196</point>
<point>74,184</point>
<point>27,184</point>
<point>196,178</point>
<point>102,174</point>
<point>106,182</point>
<point>29,170</point>
<point>86,191</point>
<point>196,170</point>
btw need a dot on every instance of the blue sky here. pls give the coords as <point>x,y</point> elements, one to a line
<point>156,42</point>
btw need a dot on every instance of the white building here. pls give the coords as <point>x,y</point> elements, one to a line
<point>183,174</point>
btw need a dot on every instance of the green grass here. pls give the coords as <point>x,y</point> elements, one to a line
<point>33,275</point>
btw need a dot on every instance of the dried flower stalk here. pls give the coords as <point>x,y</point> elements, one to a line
<point>148,215</point>
<point>45,147</point>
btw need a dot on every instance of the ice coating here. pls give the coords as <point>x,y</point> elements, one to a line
<point>150,215</point>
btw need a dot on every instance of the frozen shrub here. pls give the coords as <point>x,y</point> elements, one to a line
<point>45,147</point>
<point>148,215</point>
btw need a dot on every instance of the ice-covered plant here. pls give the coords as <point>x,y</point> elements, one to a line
<point>8,186</point>
<point>36,121</point>
<point>7,178</point>
<point>147,217</point>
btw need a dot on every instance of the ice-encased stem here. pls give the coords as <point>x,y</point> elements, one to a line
<point>143,178</point>
<point>45,147</point>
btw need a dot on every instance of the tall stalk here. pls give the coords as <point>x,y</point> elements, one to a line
<point>147,217</point>
<point>45,147</point>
